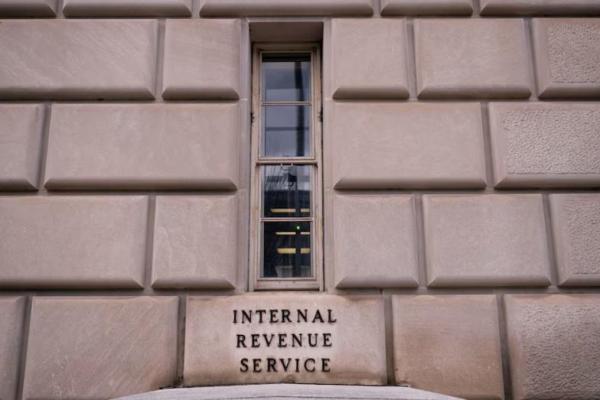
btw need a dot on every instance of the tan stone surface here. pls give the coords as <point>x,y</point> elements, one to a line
<point>407,145</point>
<point>576,226</point>
<point>448,344</point>
<point>20,144</point>
<point>202,59</point>
<point>375,242</point>
<point>72,241</point>
<point>540,7</point>
<point>195,242</point>
<point>545,144</point>
<point>426,7</point>
<point>94,347</point>
<point>143,146</point>
<point>11,324</point>
<point>472,58</point>
<point>238,8</point>
<point>77,59</point>
<point>127,8</point>
<point>369,59</point>
<point>485,240</point>
<point>554,344</point>
<point>27,8</point>
<point>356,346</point>
<point>567,55</point>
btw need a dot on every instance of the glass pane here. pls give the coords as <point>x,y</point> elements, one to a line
<point>287,250</point>
<point>286,191</point>
<point>286,77</point>
<point>286,131</point>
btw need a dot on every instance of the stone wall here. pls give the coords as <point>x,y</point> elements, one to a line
<point>461,168</point>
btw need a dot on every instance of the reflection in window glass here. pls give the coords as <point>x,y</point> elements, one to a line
<point>286,191</point>
<point>287,250</point>
<point>286,131</point>
<point>286,77</point>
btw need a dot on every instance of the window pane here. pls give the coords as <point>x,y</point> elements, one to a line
<point>287,250</point>
<point>286,77</point>
<point>286,191</point>
<point>286,131</point>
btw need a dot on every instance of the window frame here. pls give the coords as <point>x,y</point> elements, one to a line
<point>256,282</point>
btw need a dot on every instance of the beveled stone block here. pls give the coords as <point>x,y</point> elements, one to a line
<point>545,144</point>
<point>567,54</point>
<point>27,8</point>
<point>73,242</point>
<point>472,58</point>
<point>143,146</point>
<point>426,7</point>
<point>127,8</point>
<point>11,327</point>
<point>407,145</point>
<point>100,347</point>
<point>540,7</point>
<point>369,59</point>
<point>195,242</point>
<point>77,59</point>
<point>485,240</point>
<point>576,226</point>
<point>20,145</point>
<point>554,345</point>
<point>240,8</point>
<point>292,338</point>
<point>202,59</point>
<point>375,241</point>
<point>448,344</point>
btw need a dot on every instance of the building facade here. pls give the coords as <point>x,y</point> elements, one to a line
<point>352,192</point>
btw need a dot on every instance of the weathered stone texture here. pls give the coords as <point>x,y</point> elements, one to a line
<point>426,7</point>
<point>485,240</point>
<point>567,54</point>
<point>238,8</point>
<point>375,241</point>
<point>369,59</point>
<point>11,324</point>
<point>540,7</point>
<point>472,58</point>
<point>77,59</point>
<point>554,344</point>
<point>195,242</point>
<point>28,8</point>
<point>448,344</point>
<point>546,144</point>
<point>127,8</point>
<point>20,144</point>
<point>394,145</point>
<point>576,225</point>
<point>202,59</point>
<point>143,146</point>
<point>94,348</point>
<point>80,242</point>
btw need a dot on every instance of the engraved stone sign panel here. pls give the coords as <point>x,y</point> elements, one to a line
<point>291,337</point>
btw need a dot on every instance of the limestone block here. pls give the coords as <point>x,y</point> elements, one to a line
<point>554,343</point>
<point>540,7</point>
<point>127,8</point>
<point>72,242</point>
<point>100,348</point>
<point>143,146</point>
<point>485,240</point>
<point>20,144</point>
<point>240,8</point>
<point>576,226</point>
<point>77,59</point>
<point>11,324</point>
<point>426,7</point>
<point>472,58</point>
<point>567,54</point>
<point>27,8</point>
<point>195,242</point>
<point>407,145</point>
<point>546,144</point>
<point>290,337</point>
<point>369,59</point>
<point>202,59</point>
<point>448,344</point>
<point>375,241</point>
